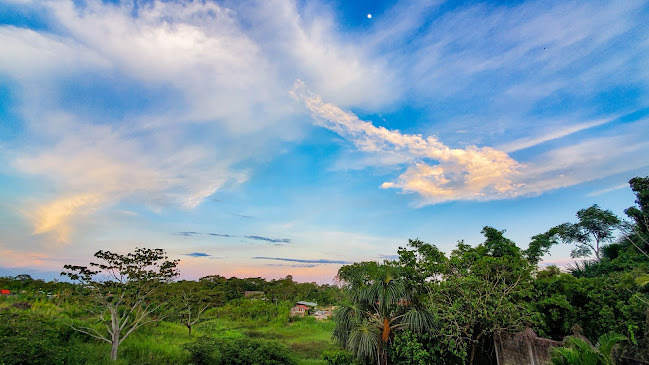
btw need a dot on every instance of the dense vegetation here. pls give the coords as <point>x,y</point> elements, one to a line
<point>426,307</point>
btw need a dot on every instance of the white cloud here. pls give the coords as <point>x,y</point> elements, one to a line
<point>471,173</point>
<point>481,173</point>
<point>227,68</point>
<point>560,132</point>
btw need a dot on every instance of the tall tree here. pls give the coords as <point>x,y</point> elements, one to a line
<point>379,305</point>
<point>594,229</point>
<point>640,214</point>
<point>475,292</point>
<point>121,288</point>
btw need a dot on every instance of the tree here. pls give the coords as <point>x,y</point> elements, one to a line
<point>191,310</point>
<point>120,287</point>
<point>640,214</point>
<point>475,292</point>
<point>594,229</point>
<point>379,305</point>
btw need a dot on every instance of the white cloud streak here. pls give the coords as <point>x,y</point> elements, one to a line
<point>528,142</point>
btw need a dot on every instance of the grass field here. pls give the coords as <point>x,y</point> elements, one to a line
<point>163,342</point>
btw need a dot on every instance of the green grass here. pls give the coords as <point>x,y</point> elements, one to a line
<point>163,342</point>
<point>307,338</point>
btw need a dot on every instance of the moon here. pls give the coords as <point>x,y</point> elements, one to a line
<point>369,16</point>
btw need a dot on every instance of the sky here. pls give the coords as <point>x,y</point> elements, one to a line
<point>283,137</point>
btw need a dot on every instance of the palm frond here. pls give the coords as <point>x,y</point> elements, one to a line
<point>364,341</point>
<point>605,345</point>
<point>416,320</point>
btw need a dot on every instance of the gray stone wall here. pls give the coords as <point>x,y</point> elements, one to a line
<point>523,348</point>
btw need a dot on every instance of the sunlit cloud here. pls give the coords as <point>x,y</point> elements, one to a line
<point>480,173</point>
<point>472,173</point>
<point>56,216</point>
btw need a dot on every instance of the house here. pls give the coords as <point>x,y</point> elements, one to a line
<point>308,304</point>
<point>299,310</point>
<point>5,291</point>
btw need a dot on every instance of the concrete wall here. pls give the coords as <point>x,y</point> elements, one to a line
<point>523,348</point>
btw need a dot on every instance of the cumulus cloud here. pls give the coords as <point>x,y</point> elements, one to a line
<point>472,173</point>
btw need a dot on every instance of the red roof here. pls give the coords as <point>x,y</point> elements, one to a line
<point>5,291</point>
<point>300,306</point>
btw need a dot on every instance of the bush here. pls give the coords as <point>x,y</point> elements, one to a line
<point>252,310</point>
<point>33,339</point>
<point>339,357</point>
<point>244,351</point>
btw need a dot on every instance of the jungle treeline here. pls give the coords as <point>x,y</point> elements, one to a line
<point>424,307</point>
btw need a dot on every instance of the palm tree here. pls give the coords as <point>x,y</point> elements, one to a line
<point>580,352</point>
<point>379,305</point>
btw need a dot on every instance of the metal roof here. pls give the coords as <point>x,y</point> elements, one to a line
<point>308,304</point>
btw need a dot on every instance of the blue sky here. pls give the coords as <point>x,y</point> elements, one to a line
<point>267,138</point>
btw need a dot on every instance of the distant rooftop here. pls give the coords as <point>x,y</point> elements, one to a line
<point>308,304</point>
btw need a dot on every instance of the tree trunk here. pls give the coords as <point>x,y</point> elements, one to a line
<point>115,338</point>
<point>190,329</point>
<point>383,357</point>
<point>113,350</point>
<point>472,353</point>
<point>473,348</point>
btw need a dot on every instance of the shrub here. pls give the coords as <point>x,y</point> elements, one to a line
<point>244,351</point>
<point>33,339</point>
<point>339,357</point>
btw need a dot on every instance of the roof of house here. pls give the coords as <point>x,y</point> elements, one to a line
<point>308,304</point>
<point>301,306</point>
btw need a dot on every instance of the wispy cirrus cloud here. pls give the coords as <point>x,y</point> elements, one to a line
<point>198,254</point>
<point>219,234</point>
<point>219,73</point>
<point>187,233</point>
<point>270,240</point>
<point>315,261</point>
<point>609,189</point>
<point>561,132</point>
<point>252,237</point>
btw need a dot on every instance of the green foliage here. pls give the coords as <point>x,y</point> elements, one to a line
<point>640,214</point>
<point>28,338</point>
<point>409,348</point>
<point>380,304</point>
<point>579,352</point>
<point>253,310</point>
<point>594,229</point>
<point>210,351</point>
<point>339,357</point>
<point>473,292</point>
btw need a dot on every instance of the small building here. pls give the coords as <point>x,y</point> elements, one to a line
<point>307,304</point>
<point>5,291</point>
<point>299,310</point>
